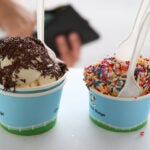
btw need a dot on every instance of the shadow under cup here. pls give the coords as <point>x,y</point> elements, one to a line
<point>118,114</point>
<point>30,114</point>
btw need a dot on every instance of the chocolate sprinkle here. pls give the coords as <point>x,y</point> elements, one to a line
<point>26,53</point>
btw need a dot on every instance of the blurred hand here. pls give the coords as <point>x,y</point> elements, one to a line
<point>16,19</point>
<point>69,49</point>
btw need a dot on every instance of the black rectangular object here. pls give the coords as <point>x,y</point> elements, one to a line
<point>63,20</point>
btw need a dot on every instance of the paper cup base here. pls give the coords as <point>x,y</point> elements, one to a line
<point>114,129</point>
<point>29,132</point>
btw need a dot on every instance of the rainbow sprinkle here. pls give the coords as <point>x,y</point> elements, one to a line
<point>109,75</point>
<point>142,133</point>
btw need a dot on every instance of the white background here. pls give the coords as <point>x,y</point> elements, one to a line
<point>113,19</point>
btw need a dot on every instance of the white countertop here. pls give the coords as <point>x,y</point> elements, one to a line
<point>74,130</point>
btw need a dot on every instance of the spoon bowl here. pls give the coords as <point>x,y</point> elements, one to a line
<point>131,88</point>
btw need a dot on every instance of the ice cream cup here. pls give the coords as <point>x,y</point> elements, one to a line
<point>118,114</point>
<point>29,114</point>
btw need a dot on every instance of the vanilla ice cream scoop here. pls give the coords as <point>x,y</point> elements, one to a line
<point>29,75</point>
<point>24,60</point>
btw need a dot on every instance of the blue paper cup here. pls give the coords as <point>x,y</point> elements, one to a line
<point>29,114</point>
<point>38,89</point>
<point>118,114</point>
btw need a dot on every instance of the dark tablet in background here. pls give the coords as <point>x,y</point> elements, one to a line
<point>63,20</point>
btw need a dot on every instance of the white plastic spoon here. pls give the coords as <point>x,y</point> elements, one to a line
<point>40,27</point>
<point>126,48</point>
<point>131,87</point>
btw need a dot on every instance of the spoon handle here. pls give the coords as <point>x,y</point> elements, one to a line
<point>144,7</point>
<point>3,34</point>
<point>142,34</point>
<point>125,49</point>
<point>40,19</point>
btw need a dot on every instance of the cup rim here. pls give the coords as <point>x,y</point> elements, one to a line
<point>119,98</point>
<point>45,86</point>
<point>33,94</point>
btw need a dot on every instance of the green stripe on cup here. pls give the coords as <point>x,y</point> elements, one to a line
<point>107,127</point>
<point>28,132</point>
